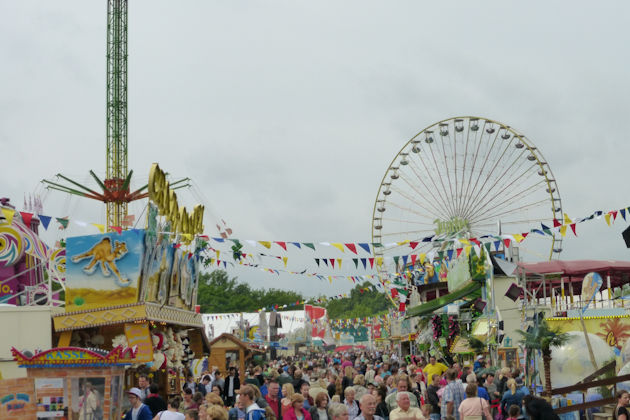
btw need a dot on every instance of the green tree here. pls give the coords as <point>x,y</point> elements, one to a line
<point>544,338</point>
<point>361,303</point>
<point>218,293</point>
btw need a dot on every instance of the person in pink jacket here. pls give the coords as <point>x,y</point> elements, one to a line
<point>297,411</point>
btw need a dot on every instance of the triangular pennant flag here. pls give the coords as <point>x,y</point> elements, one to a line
<point>413,260</point>
<point>518,237</point>
<point>329,278</point>
<point>507,243</point>
<point>497,244</point>
<point>573,228</point>
<point>8,215</point>
<point>396,258</point>
<point>364,262</point>
<point>450,254</point>
<point>338,246</point>
<point>413,245</point>
<point>325,261</point>
<point>567,221</point>
<point>26,218</point>
<point>218,239</point>
<point>556,222</point>
<point>317,261</point>
<point>404,258</point>
<point>266,244</point>
<point>423,257</point>
<point>283,245</point>
<point>46,220</point>
<point>117,229</point>
<point>563,230</point>
<point>332,262</point>
<point>218,252</point>
<point>356,262</point>
<point>297,244</point>
<point>100,227</point>
<point>309,245</point>
<point>428,238</point>
<point>351,247</point>
<point>284,260</point>
<point>623,213</point>
<point>379,261</point>
<point>545,228</point>
<point>468,248</point>
<point>371,262</point>
<point>339,263</point>
<point>459,251</point>
<point>487,245</point>
<point>224,264</point>
<point>365,246</point>
<point>524,235</point>
<point>607,217</point>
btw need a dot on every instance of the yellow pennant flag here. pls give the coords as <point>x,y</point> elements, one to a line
<point>566,219</point>
<point>101,228</point>
<point>464,241</point>
<point>338,246</point>
<point>284,260</point>
<point>8,215</point>
<point>405,242</point>
<point>563,230</point>
<point>607,217</point>
<point>266,244</point>
<point>379,261</point>
<point>330,279</point>
<point>218,252</point>
<point>518,237</point>
<point>467,249</point>
<point>339,262</point>
<point>422,258</point>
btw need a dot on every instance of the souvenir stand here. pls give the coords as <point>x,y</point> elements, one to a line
<point>137,288</point>
<point>66,383</point>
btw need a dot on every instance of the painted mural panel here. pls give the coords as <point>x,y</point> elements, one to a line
<point>103,270</point>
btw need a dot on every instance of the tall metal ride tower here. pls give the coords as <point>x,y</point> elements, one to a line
<point>115,187</point>
<point>117,169</point>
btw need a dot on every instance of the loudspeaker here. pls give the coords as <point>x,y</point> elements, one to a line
<point>479,305</point>
<point>626,236</point>
<point>514,292</point>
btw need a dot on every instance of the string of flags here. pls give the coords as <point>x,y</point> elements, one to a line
<point>63,222</point>
<point>556,226</point>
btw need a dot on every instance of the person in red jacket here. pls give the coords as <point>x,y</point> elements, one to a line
<point>297,411</point>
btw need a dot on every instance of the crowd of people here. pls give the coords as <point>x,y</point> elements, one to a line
<point>362,386</point>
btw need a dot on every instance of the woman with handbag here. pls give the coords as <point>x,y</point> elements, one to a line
<point>474,407</point>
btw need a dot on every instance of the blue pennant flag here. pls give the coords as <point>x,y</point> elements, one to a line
<point>218,239</point>
<point>46,220</point>
<point>297,244</point>
<point>497,244</point>
<point>366,247</point>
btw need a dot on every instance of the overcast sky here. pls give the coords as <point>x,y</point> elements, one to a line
<point>286,114</point>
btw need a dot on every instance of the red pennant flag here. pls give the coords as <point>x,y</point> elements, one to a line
<point>413,260</point>
<point>394,292</point>
<point>413,245</point>
<point>117,229</point>
<point>556,222</point>
<point>26,218</point>
<point>614,214</point>
<point>459,251</point>
<point>177,245</point>
<point>282,244</point>
<point>573,228</point>
<point>475,241</point>
<point>507,243</point>
<point>524,235</point>
<point>351,247</point>
<point>371,262</point>
<point>401,307</point>
<point>332,262</point>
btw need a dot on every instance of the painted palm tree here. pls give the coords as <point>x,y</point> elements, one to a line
<point>544,338</point>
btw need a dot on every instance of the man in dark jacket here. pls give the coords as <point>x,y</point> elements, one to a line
<point>154,401</point>
<point>433,398</point>
<point>232,383</point>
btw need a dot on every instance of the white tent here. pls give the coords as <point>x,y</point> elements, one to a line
<point>217,324</point>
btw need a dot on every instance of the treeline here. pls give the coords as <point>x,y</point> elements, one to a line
<point>219,294</point>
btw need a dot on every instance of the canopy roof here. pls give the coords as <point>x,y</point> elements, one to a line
<point>574,271</point>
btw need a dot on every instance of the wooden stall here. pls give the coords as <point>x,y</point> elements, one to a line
<point>227,350</point>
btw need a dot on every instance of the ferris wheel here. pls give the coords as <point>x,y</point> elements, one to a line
<point>466,177</point>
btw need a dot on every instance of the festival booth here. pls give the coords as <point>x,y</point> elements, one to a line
<point>227,350</point>
<point>137,289</point>
<point>66,383</point>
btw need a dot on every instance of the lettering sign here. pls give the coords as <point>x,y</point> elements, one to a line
<point>138,335</point>
<point>65,355</point>
<point>165,198</point>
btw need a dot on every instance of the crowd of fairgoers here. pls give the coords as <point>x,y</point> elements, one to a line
<point>350,386</point>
